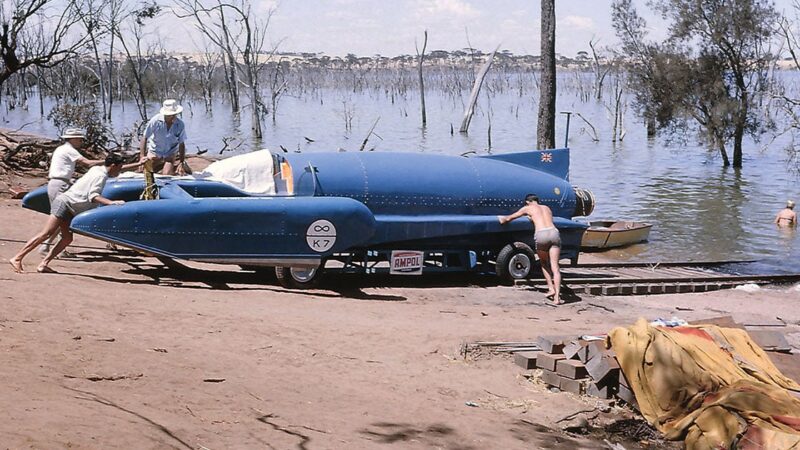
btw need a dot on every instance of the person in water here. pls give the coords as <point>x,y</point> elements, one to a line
<point>548,242</point>
<point>787,217</point>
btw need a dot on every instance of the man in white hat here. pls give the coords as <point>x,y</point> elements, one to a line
<point>62,169</point>
<point>164,139</point>
<point>787,217</point>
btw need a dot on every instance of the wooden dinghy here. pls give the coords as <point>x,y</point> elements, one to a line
<point>605,234</point>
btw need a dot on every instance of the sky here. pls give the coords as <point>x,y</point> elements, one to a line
<point>390,27</point>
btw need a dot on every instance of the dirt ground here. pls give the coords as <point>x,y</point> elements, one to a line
<point>117,351</point>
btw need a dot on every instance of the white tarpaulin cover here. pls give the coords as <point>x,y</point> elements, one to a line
<point>251,172</point>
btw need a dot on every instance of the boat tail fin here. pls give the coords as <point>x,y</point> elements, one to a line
<point>554,162</point>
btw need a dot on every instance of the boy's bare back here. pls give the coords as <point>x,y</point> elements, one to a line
<point>540,215</point>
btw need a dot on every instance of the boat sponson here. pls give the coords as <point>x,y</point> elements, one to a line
<point>230,229</point>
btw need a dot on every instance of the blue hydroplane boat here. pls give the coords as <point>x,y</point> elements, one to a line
<point>305,213</point>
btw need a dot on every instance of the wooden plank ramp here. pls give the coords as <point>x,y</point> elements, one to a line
<point>657,278</point>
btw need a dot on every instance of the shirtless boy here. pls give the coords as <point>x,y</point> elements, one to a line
<point>548,242</point>
<point>787,217</point>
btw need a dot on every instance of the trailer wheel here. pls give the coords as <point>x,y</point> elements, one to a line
<point>298,277</point>
<point>515,261</point>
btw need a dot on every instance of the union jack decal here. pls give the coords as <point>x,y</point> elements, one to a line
<point>547,157</point>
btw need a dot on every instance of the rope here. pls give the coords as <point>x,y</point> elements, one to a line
<point>150,191</point>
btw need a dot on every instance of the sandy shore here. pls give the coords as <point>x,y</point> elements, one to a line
<point>116,351</point>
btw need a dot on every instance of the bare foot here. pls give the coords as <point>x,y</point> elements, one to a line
<point>550,294</point>
<point>16,265</point>
<point>45,269</point>
<point>558,301</point>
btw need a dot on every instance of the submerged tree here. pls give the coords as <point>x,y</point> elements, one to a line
<point>240,34</point>
<point>711,68</point>
<point>420,59</point>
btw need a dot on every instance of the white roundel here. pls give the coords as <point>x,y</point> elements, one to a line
<point>321,235</point>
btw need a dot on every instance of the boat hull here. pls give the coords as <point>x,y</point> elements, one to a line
<point>604,234</point>
<point>298,232</point>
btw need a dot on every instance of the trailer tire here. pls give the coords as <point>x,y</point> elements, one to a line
<point>298,278</point>
<point>515,261</point>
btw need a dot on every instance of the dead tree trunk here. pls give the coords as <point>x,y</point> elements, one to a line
<point>600,73</point>
<point>546,128</point>
<point>476,89</point>
<point>420,59</point>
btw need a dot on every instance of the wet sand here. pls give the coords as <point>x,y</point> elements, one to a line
<point>117,351</point>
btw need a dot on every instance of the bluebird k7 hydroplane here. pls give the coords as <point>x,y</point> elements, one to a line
<point>305,213</point>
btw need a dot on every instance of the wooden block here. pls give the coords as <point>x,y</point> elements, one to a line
<point>552,344</point>
<point>593,349</point>
<point>571,369</point>
<point>610,290</point>
<point>551,378</point>
<point>604,391</point>
<point>548,361</point>
<point>787,363</point>
<point>602,366</point>
<point>577,387</point>
<point>722,321</point>
<point>771,341</point>
<point>526,360</point>
<point>641,289</point>
<point>626,394</point>
<point>573,349</point>
<point>604,388</point>
<point>655,288</point>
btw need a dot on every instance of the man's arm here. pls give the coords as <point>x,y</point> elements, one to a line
<point>89,162</point>
<point>142,148</point>
<point>105,201</point>
<point>148,131</point>
<point>181,158</point>
<point>505,219</point>
<point>134,165</point>
<point>182,149</point>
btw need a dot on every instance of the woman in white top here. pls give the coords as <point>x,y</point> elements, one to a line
<point>62,169</point>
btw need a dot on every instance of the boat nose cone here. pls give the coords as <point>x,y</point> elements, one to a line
<point>106,221</point>
<point>37,200</point>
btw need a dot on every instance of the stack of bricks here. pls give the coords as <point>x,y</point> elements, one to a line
<point>583,367</point>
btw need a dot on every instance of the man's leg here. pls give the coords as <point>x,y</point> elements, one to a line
<point>52,225</point>
<point>544,259</point>
<point>555,254</point>
<point>66,239</point>
<point>54,189</point>
<point>169,166</point>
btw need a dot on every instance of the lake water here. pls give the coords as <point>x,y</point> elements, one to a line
<point>700,210</point>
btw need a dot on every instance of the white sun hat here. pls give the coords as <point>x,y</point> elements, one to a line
<point>171,107</point>
<point>72,133</point>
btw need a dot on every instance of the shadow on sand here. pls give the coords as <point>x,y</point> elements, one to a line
<point>168,272</point>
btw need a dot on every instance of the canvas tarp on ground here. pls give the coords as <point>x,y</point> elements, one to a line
<point>712,387</point>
